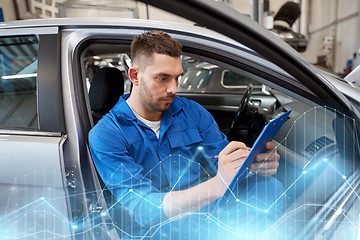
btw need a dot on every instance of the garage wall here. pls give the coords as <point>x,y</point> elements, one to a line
<point>158,14</point>
<point>332,28</point>
<point>98,8</point>
<point>244,6</point>
<point>98,12</point>
<point>8,10</point>
<point>337,20</point>
<point>114,8</point>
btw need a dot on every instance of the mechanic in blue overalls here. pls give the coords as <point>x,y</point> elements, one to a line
<point>149,148</point>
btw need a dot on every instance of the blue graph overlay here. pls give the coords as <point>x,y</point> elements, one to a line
<point>316,190</point>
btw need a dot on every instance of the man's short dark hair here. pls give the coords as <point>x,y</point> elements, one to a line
<point>144,45</point>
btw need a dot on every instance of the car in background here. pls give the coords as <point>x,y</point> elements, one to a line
<point>284,20</point>
<point>50,187</point>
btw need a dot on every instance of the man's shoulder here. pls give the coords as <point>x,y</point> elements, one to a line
<point>187,103</point>
<point>109,124</point>
<point>104,126</point>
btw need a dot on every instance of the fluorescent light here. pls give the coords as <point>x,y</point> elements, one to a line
<point>19,76</point>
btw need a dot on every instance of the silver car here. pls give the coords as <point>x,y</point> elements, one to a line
<point>51,72</point>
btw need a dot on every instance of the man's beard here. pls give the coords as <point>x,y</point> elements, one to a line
<point>159,107</point>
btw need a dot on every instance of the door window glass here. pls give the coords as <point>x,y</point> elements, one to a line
<point>18,82</point>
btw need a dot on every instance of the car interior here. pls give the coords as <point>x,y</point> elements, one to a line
<point>315,157</point>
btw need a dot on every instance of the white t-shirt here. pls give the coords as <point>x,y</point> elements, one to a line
<point>154,125</point>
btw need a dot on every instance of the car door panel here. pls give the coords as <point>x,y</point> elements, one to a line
<point>33,195</point>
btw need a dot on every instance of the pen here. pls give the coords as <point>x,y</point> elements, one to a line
<point>214,157</point>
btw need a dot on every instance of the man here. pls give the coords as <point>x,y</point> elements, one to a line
<point>149,147</point>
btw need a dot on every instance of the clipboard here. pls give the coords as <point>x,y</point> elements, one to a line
<point>267,135</point>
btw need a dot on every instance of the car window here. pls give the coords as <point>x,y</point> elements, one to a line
<point>18,83</point>
<point>200,76</point>
<point>195,79</point>
<point>230,79</point>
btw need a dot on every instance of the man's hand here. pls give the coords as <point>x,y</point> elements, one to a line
<point>266,164</point>
<point>193,199</point>
<point>229,161</point>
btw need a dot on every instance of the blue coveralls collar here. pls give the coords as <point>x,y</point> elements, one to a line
<point>122,108</point>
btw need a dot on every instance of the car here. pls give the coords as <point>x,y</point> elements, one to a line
<point>50,100</point>
<point>284,20</point>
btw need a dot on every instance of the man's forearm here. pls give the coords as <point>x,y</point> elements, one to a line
<point>193,199</point>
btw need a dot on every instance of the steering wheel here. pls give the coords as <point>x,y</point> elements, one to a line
<point>242,108</point>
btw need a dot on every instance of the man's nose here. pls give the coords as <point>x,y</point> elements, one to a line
<point>172,87</point>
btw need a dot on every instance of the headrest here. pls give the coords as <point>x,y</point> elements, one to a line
<point>106,88</point>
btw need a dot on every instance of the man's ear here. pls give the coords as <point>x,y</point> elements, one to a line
<point>133,75</point>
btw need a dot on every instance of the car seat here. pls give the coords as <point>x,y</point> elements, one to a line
<point>106,87</point>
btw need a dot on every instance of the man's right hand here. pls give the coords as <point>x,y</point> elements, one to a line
<point>230,160</point>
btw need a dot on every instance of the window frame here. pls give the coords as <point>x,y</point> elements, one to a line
<point>50,115</point>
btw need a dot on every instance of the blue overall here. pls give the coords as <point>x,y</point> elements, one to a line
<point>139,168</point>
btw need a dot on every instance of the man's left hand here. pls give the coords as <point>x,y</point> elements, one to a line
<point>266,164</point>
